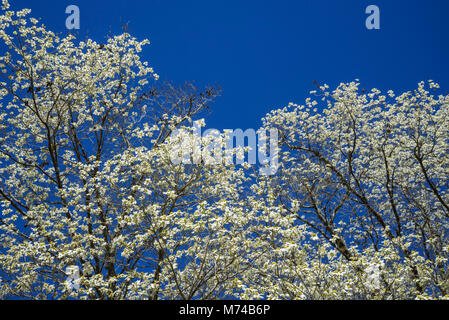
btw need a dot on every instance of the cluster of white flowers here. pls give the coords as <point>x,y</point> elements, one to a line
<point>369,176</point>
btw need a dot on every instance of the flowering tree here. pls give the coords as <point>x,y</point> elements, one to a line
<point>93,205</point>
<point>365,182</point>
<point>86,182</point>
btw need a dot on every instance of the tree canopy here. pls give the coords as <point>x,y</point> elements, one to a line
<point>358,207</point>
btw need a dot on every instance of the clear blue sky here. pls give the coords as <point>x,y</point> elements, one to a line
<point>265,54</point>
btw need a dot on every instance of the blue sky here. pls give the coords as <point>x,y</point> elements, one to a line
<point>265,54</point>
